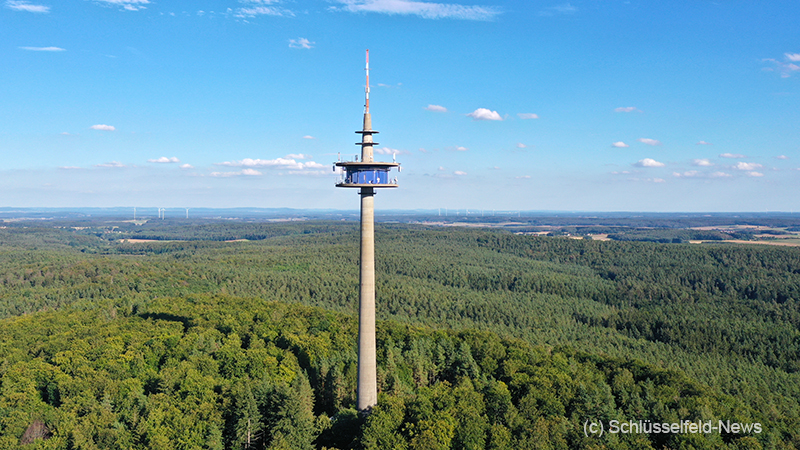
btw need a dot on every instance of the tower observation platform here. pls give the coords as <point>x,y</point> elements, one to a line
<point>367,174</point>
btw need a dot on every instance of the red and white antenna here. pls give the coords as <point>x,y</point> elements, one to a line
<point>366,111</point>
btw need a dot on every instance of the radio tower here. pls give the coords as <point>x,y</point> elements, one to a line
<point>368,175</point>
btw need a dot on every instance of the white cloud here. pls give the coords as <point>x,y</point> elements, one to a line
<point>620,144</point>
<point>527,116</point>
<point>297,156</point>
<point>484,114</point>
<point>704,143</point>
<point>301,43</point>
<point>790,68</point>
<point>755,174</point>
<point>459,173</point>
<point>391,151</point>
<point>441,169</point>
<point>627,109</point>
<point>784,68</point>
<point>25,6</point>
<point>278,163</point>
<point>732,155</point>
<point>436,108</point>
<point>262,11</point>
<point>697,174</point>
<point>460,149</point>
<point>521,145</point>
<point>129,5</point>
<point>523,177</point>
<point>103,127</point>
<point>164,160</point>
<point>308,137</point>
<point>649,141</point>
<point>70,168</point>
<point>260,8</point>
<point>702,162</point>
<point>566,8</point>
<point>747,166</point>
<point>247,172</point>
<point>111,164</point>
<point>187,166</point>
<point>647,180</point>
<point>782,157</point>
<point>426,10</point>
<point>43,49</point>
<point>647,162</point>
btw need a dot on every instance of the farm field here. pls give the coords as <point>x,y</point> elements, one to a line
<point>789,242</point>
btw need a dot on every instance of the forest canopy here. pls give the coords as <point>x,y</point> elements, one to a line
<point>487,339</point>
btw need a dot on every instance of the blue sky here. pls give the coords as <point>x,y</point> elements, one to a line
<point>488,104</point>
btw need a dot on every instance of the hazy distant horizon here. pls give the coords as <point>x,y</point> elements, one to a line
<point>179,212</point>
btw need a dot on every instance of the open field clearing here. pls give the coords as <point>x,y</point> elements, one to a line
<point>788,242</point>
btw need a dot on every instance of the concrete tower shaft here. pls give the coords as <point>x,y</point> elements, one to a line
<point>367,153</point>
<point>367,359</point>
